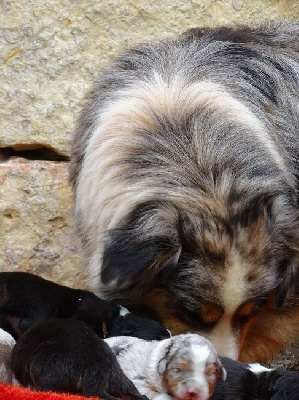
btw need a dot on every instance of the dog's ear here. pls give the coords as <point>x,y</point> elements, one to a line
<point>278,215</point>
<point>221,371</point>
<point>162,366</point>
<point>128,253</point>
<point>289,285</point>
<point>287,220</point>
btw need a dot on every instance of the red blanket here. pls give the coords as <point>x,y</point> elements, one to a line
<point>8,392</point>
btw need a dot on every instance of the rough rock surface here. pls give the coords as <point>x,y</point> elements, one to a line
<point>52,49</point>
<point>36,221</point>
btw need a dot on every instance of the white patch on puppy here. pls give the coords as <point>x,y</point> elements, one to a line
<point>123,311</point>
<point>257,368</point>
<point>183,367</point>
<point>7,343</point>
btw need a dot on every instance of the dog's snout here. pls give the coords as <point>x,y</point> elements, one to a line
<point>192,394</point>
<point>195,395</point>
<point>193,390</point>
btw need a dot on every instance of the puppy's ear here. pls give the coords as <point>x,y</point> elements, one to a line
<point>221,370</point>
<point>162,366</point>
<point>129,252</point>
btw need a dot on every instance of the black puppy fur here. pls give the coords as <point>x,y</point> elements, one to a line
<point>243,384</point>
<point>66,356</point>
<point>26,299</point>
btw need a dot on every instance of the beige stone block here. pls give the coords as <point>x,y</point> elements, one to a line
<point>36,225</point>
<point>51,50</point>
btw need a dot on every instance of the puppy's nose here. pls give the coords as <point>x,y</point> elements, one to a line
<point>195,395</point>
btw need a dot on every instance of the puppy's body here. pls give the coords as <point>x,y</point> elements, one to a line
<point>185,174</point>
<point>186,367</point>
<point>26,299</point>
<point>181,367</point>
<point>246,383</point>
<point>7,343</point>
<point>67,356</point>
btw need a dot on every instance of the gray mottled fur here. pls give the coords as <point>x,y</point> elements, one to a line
<point>213,151</point>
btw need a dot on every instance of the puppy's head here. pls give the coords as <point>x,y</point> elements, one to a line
<point>222,266</point>
<point>190,368</point>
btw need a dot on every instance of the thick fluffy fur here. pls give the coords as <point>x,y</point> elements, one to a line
<point>26,299</point>
<point>185,174</point>
<point>183,367</point>
<point>67,356</point>
<point>7,343</point>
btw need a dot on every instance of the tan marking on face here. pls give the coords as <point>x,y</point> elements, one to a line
<point>175,373</point>
<point>157,301</point>
<point>268,332</point>
<point>210,312</point>
<point>245,309</point>
<point>211,373</point>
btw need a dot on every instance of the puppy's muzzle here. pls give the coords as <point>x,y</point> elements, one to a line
<point>193,389</point>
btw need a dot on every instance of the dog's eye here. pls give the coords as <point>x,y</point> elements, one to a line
<point>246,311</point>
<point>211,372</point>
<point>176,370</point>
<point>211,313</point>
<point>211,375</point>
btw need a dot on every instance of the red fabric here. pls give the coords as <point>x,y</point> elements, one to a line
<point>8,392</point>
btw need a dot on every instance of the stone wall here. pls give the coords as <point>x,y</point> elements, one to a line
<point>50,51</point>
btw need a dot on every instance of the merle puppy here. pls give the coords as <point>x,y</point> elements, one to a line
<point>187,367</point>
<point>183,367</point>
<point>254,382</point>
<point>67,356</point>
<point>26,299</point>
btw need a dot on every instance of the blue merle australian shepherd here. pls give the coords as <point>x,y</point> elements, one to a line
<point>185,170</point>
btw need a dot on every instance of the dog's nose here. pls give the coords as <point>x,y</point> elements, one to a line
<point>195,395</point>
<point>192,394</point>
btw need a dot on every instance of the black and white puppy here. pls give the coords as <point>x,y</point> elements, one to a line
<point>26,299</point>
<point>66,356</point>
<point>183,367</point>
<point>254,382</point>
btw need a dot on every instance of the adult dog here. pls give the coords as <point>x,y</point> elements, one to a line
<point>185,174</point>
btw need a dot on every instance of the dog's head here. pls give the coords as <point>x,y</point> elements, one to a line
<point>221,268</point>
<point>190,368</point>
